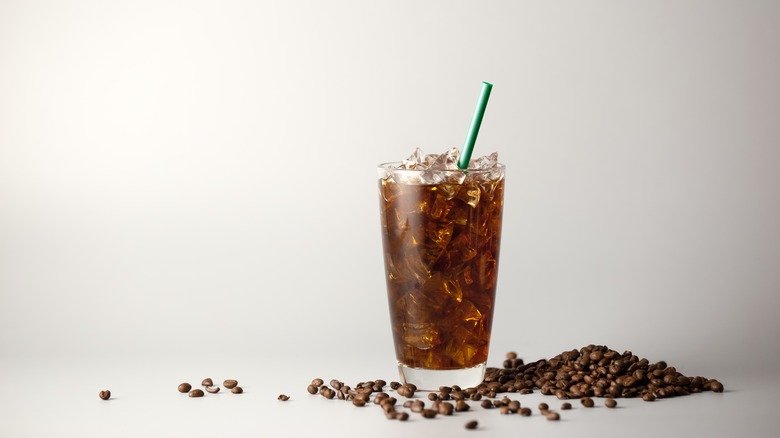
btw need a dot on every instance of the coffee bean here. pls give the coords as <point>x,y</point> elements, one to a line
<point>196,393</point>
<point>543,407</point>
<point>395,385</point>
<point>486,404</point>
<point>471,425</point>
<point>566,406</point>
<point>358,402</point>
<point>283,397</point>
<point>317,382</point>
<point>185,388</point>
<point>716,386</point>
<point>406,391</point>
<point>433,396</point>
<point>514,406</point>
<point>587,402</point>
<point>648,396</point>
<point>428,413</point>
<point>504,410</point>
<point>417,406</point>
<point>335,384</point>
<point>207,382</point>
<point>461,406</point>
<point>312,389</point>
<point>105,394</point>
<point>446,408</point>
<point>230,384</point>
<point>212,389</point>
<point>401,416</point>
<point>610,403</point>
<point>552,416</point>
<point>511,355</point>
<point>525,412</point>
<point>239,390</point>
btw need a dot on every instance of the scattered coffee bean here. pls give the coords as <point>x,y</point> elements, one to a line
<point>401,416</point>
<point>566,406</point>
<point>504,410</point>
<point>428,413</point>
<point>359,402</point>
<point>471,425</point>
<point>552,416</point>
<point>317,382</point>
<point>511,355</point>
<point>283,397</point>
<point>543,407</point>
<point>395,385</point>
<point>185,388</point>
<point>446,408</point>
<point>610,403</point>
<point>487,404</point>
<point>433,396</point>
<point>587,402</point>
<point>525,412</point>
<point>312,389</point>
<point>212,389</point>
<point>406,391</point>
<point>196,393</point>
<point>648,396</point>
<point>461,406</point>
<point>716,386</point>
<point>417,406</point>
<point>230,384</point>
<point>105,394</point>
<point>238,390</point>
<point>207,382</point>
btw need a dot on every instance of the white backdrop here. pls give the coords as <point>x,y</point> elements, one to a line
<point>180,175</point>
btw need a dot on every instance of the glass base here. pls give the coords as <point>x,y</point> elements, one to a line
<point>431,380</point>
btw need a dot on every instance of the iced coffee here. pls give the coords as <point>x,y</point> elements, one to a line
<point>441,232</point>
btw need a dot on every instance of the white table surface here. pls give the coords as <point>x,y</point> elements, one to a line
<point>51,396</point>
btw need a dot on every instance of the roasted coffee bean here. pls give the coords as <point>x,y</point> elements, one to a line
<point>417,406</point>
<point>312,389</point>
<point>405,391</point>
<point>471,425</point>
<point>380,397</point>
<point>229,384</point>
<point>207,382</point>
<point>511,355</point>
<point>212,389</point>
<point>444,396</point>
<point>475,396</point>
<point>716,386</point>
<point>185,388</point>
<point>446,408</point>
<point>401,416</point>
<point>335,384</point>
<point>504,410</point>
<point>566,406</point>
<point>543,407</point>
<point>408,404</point>
<point>105,394</point>
<point>461,406</point>
<point>196,393</point>
<point>552,416</point>
<point>239,390</point>
<point>317,382</point>
<point>648,396</point>
<point>587,402</point>
<point>487,404</point>
<point>283,397</point>
<point>610,403</point>
<point>395,385</point>
<point>428,413</point>
<point>446,389</point>
<point>433,396</point>
<point>358,402</point>
<point>525,412</point>
<point>514,406</point>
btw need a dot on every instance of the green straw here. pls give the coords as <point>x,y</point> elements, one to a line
<point>476,121</point>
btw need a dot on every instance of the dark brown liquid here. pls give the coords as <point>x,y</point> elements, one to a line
<point>441,245</point>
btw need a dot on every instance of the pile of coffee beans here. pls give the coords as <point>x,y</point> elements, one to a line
<point>208,385</point>
<point>597,371</point>
<point>592,371</point>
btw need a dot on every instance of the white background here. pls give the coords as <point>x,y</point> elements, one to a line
<point>187,188</point>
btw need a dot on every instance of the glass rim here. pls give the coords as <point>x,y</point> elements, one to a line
<point>389,166</point>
